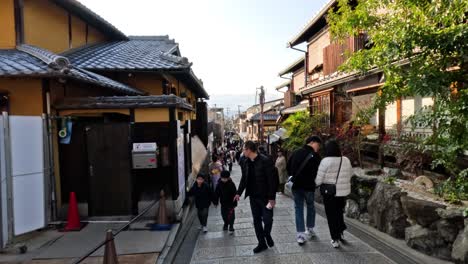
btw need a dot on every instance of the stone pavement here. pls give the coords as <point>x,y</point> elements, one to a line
<point>217,246</point>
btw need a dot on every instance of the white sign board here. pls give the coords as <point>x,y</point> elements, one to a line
<point>27,164</point>
<point>144,147</point>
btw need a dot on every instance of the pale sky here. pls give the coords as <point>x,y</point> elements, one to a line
<point>234,45</point>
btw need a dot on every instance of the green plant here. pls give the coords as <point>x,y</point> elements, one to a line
<point>465,212</point>
<point>301,125</point>
<point>455,188</point>
<point>390,180</point>
<point>421,47</point>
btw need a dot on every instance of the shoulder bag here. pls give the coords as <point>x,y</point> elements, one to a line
<point>328,189</point>
<point>291,178</point>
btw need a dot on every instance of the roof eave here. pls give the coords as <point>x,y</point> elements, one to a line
<point>91,17</point>
<point>303,35</point>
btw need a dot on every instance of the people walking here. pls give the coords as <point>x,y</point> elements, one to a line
<point>280,165</point>
<point>203,197</point>
<point>260,183</point>
<point>224,194</point>
<point>334,178</point>
<point>215,168</point>
<point>303,166</point>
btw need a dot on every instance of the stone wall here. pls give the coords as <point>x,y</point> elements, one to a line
<point>427,226</point>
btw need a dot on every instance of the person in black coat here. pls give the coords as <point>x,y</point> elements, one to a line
<point>203,198</point>
<point>260,182</point>
<point>225,192</point>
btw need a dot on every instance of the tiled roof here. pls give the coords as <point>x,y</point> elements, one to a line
<point>116,102</point>
<point>32,61</point>
<point>266,117</point>
<point>299,63</point>
<point>137,53</point>
<point>297,108</point>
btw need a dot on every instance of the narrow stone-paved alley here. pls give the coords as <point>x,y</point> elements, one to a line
<point>218,246</point>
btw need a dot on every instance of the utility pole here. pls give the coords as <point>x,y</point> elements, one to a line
<point>262,102</point>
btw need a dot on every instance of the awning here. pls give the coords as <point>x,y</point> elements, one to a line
<point>277,135</point>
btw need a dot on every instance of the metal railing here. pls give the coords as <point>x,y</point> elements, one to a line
<point>89,253</point>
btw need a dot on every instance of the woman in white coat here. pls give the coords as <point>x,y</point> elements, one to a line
<point>336,170</point>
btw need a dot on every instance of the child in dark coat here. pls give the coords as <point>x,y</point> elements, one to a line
<point>203,197</point>
<point>225,192</point>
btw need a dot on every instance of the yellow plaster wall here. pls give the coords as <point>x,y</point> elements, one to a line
<point>25,95</point>
<point>45,25</point>
<point>94,36</point>
<point>143,115</point>
<point>78,32</point>
<point>7,25</point>
<point>150,83</point>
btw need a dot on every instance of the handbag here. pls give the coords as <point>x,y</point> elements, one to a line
<point>328,189</point>
<point>290,181</point>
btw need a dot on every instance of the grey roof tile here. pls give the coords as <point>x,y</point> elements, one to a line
<point>28,60</point>
<point>137,53</point>
<point>266,117</point>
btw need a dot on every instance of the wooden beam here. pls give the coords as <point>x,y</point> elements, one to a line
<point>70,35</point>
<point>399,123</point>
<point>19,21</point>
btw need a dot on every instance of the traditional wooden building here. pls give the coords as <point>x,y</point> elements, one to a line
<point>341,95</point>
<point>67,70</point>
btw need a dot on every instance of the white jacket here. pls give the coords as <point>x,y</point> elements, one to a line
<point>328,170</point>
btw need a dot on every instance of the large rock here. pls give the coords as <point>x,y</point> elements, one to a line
<point>421,212</point>
<point>385,210</point>
<point>364,218</point>
<point>393,172</point>
<point>460,246</point>
<point>352,209</point>
<point>361,189</point>
<point>447,230</point>
<point>454,215</point>
<point>427,241</point>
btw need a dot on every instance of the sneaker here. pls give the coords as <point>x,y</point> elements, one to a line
<point>205,229</point>
<point>342,239</point>
<point>225,227</point>
<point>260,248</point>
<point>335,243</point>
<point>310,233</point>
<point>231,230</point>
<point>270,241</point>
<point>301,239</point>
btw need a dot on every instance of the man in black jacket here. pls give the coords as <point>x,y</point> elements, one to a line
<point>304,185</point>
<point>260,183</point>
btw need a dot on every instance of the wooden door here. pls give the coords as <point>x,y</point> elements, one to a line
<point>109,169</point>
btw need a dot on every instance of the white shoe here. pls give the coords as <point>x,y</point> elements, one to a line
<point>205,229</point>
<point>301,238</point>
<point>310,233</point>
<point>335,244</point>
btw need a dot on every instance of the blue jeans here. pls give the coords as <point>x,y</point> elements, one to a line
<point>299,197</point>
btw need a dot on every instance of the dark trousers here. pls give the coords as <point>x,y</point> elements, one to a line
<point>202,215</point>
<point>229,215</point>
<point>334,208</point>
<point>262,218</point>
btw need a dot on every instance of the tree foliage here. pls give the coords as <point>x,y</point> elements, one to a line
<point>299,126</point>
<point>421,46</point>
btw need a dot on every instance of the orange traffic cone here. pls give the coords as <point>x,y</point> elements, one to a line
<point>73,221</point>
<point>110,254</point>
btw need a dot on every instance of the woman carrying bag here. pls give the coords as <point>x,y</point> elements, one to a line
<point>334,180</point>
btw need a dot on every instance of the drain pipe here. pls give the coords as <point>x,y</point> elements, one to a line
<point>51,164</point>
<point>306,53</point>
